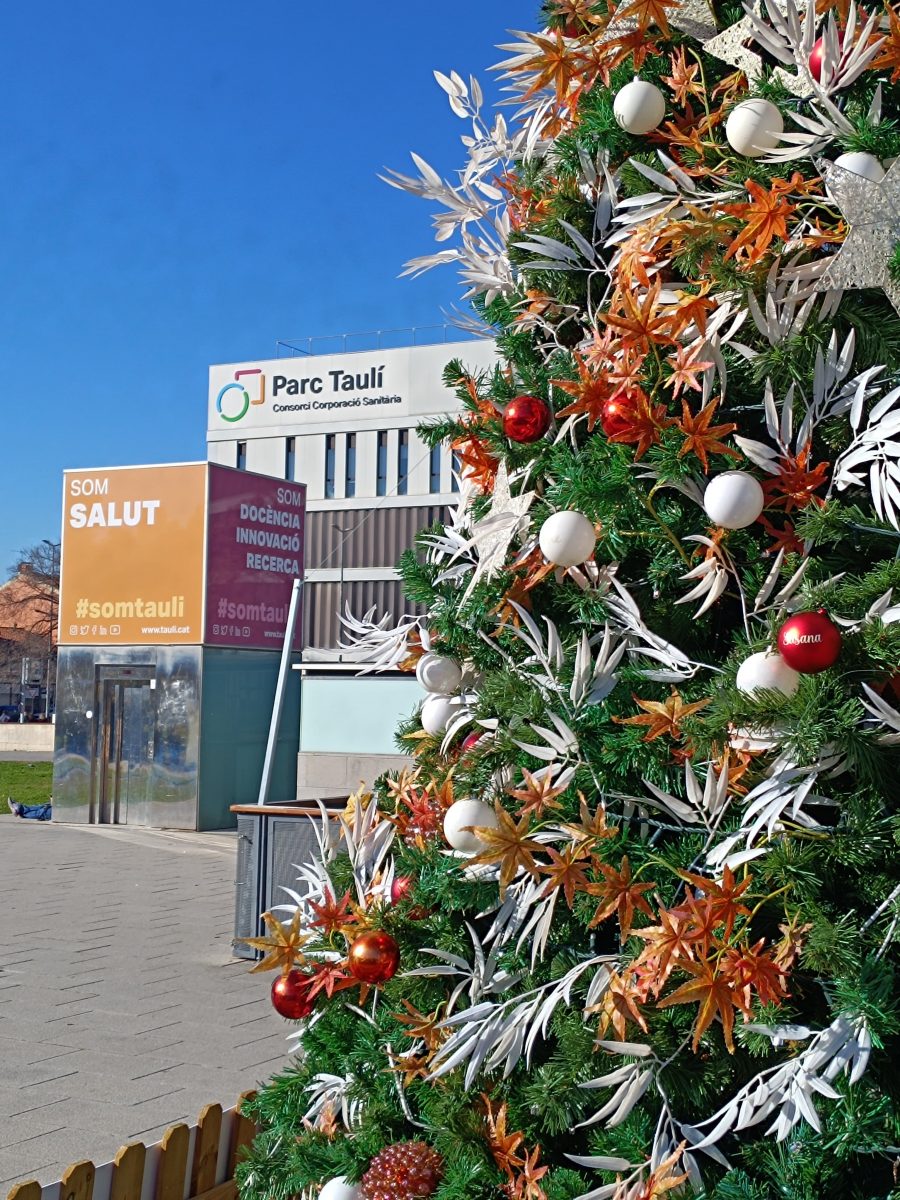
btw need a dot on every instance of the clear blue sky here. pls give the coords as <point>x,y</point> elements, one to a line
<point>185,183</point>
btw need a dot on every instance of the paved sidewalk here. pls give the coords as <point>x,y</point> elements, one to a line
<point>121,1008</point>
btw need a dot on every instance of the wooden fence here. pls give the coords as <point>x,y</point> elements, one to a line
<point>188,1164</point>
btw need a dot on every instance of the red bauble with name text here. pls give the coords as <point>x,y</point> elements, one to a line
<point>290,995</point>
<point>373,957</point>
<point>526,419</point>
<point>809,642</point>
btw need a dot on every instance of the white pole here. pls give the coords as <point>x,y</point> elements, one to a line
<point>283,672</point>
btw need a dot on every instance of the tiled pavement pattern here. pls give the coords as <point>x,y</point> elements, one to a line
<point>121,1008</point>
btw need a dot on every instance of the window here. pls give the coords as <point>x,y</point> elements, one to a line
<point>329,467</point>
<point>242,456</point>
<point>402,461</point>
<point>381,466</point>
<point>454,479</point>
<point>290,457</point>
<point>350,466</point>
<point>434,471</point>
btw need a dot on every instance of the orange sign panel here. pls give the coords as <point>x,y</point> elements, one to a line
<point>132,555</point>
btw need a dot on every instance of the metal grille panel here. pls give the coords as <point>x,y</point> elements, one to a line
<point>247,907</point>
<point>291,842</point>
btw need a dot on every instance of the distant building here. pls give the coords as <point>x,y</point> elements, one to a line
<point>345,425</point>
<point>28,607</point>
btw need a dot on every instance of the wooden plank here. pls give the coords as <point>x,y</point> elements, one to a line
<point>225,1191</point>
<point>243,1134</point>
<point>128,1172</point>
<point>78,1182</point>
<point>206,1149</point>
<point>173,1159</point>
<point>25,1191</point>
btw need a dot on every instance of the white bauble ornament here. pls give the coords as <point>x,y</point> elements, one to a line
<point>436,714</point>
<point>639,106</point>
<point>468,812</point>
<point>733,499</point>
<point>567,539</point>
<point>339,1189</point>
<point>439,674</point>
<point>860,163</point>
<point>768,671</point>
<point>754,127</point>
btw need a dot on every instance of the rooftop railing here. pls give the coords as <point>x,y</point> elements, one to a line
<point>374,339</point>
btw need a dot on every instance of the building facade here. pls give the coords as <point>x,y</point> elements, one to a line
<point>345,425</point>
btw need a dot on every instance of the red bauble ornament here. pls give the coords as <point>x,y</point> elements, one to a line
<point>615,415</point>
<point>470,741</point>
<point>817,56</point>
<point>809,642</point>
<point>526,419</point>
<point>401,888</point>
<point>290,995</point>
<point>404,1171</point>
<point>373,957</point>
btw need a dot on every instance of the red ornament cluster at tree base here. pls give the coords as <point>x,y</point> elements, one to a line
<point>290,995</point>
<point>404,1171</point>
<point>526,419</point>
<point>373,957</point>
<point>809,642</point>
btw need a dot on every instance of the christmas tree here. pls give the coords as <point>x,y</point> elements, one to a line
<point>630,925</point>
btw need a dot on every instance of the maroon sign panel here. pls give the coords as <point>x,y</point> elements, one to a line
<point>254,552</point>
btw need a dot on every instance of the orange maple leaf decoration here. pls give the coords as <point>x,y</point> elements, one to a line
<point>620,895</point>
<point>693,308</point>
<point>662,716</point>
<point>536,793</point>
<point>795,484</point>
<point>647,13</point>
<point>567,871</point>
<point>714,993</point>
<point>526,1185</point>
<point>785,539</point>
<point>554,64</point>
<point>422,1027</point>
<point>663,1179</point>
<point>751,969</point>
<point>476,462</point>
<point>889,56</point>
<point>764,216</point>
<point>590,391</point>
<point>619,1005</point>
<point>590,828</point>
<point>333,916</point>
<point>723,899</point>
<point>509,846</point>
<point>504,1146</point>
<point>639,319</point>
<point>683,81</point>
<point>668,945</point>
<point>640,422</point>
<point>702,439</point>
<point>685,369</point>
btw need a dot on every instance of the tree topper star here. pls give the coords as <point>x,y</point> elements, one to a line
<point>873,213</point>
